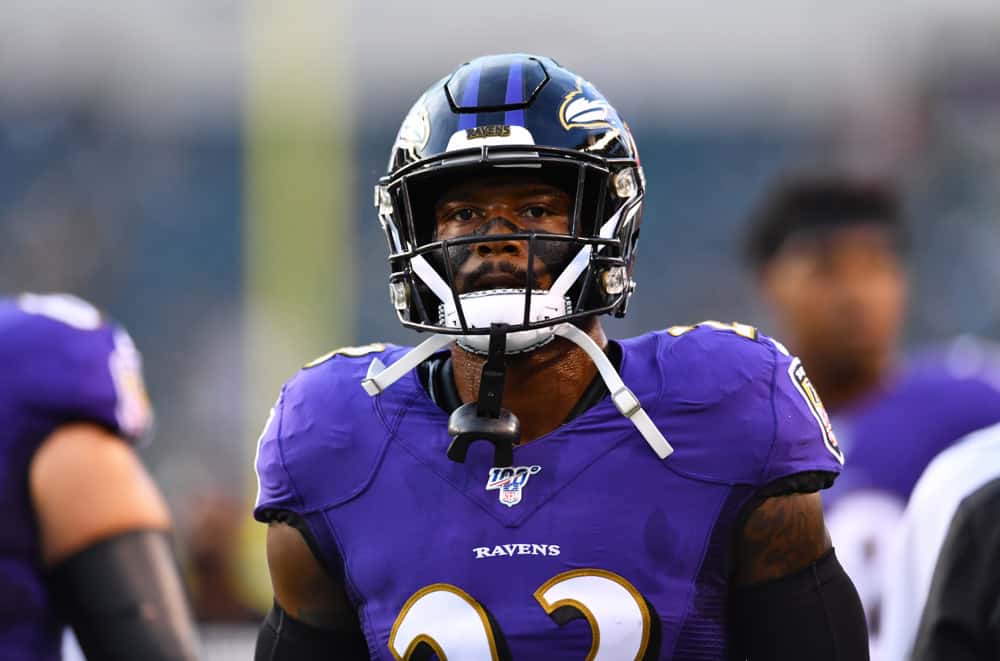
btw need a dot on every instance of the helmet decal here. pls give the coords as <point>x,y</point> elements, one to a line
<point>501,134</point>
<point>585,110</point>
<point>415,131</point>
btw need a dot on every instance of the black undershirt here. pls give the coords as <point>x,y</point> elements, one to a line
<point>438,378</point>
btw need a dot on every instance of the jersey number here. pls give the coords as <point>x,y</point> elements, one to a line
<point>445,620</point>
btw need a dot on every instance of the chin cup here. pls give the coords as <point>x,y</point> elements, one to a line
<point>485,420</point>
<point>466,426</point>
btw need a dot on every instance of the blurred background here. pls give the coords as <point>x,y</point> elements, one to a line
<point>202,170</point>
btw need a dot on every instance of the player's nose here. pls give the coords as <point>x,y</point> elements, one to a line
<point>499,248</point>
<point>507,248</point>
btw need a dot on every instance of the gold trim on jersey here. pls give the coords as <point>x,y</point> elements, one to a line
<point>426,638</point>
<point>551,608</point>
<point>350,352</point>
<point>743,330</point>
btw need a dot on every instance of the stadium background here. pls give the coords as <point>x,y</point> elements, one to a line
<point>203,171</point>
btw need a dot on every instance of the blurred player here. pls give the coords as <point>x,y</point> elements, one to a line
<point>86,537</point>
<point>943,586</point>
<point>518,486</point>
<point>829,253</point>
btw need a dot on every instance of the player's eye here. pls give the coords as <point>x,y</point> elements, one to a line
<point>536,212</point>
<point>463,215</point>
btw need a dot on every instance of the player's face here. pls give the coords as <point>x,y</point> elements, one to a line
<point>839,296</point>
<point>503,205</point>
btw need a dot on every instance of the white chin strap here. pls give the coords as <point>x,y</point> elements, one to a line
<point>380,377</point>
<point>505,306</point>
<point>625,400</point>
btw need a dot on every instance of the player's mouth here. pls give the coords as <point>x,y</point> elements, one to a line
<point>498,280</point>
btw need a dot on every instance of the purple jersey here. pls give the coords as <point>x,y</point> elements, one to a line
<point>888,438</point>
<point>61,362</point>
<point>588,544</point>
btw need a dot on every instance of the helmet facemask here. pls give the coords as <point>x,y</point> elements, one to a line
<point>588,267</point>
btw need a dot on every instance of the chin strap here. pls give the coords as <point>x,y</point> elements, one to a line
<point>624,399</point>
<point>380,377</point>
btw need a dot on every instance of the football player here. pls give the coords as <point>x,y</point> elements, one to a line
<point>518,485</point>
<point>86,540</point>
<point>830,255</point>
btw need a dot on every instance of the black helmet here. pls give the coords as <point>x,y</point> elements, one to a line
<point>505,114</point>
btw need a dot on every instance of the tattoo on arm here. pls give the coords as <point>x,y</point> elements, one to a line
<point>783,535</point>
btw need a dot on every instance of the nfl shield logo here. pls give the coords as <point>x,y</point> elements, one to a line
<point>510,481</point>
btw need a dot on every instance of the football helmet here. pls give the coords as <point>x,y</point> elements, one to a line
<point>509,114</point>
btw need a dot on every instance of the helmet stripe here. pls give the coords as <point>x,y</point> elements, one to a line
<point>515,94</point>
<point>470,98</point>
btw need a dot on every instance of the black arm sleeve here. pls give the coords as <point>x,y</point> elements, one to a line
<point>124,598</point>
<point>283,638</point>
<point>961,618</point>
<point>814,614</point>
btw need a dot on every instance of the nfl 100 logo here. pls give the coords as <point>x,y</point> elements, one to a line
<point>510,481</point>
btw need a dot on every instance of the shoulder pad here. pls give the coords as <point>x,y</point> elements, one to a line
<point>733,407</point>
<point>72,364</point>
<point>325,437</point>
<point>709,362</point>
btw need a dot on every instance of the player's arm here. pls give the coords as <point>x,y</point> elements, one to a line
<point>105,538</point>
<point>312,617</point>
<point>792,598</point>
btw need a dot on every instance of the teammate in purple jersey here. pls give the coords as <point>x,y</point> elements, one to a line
<point>830,255</point>
<point>518,486</point>
<point>86,534</point>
